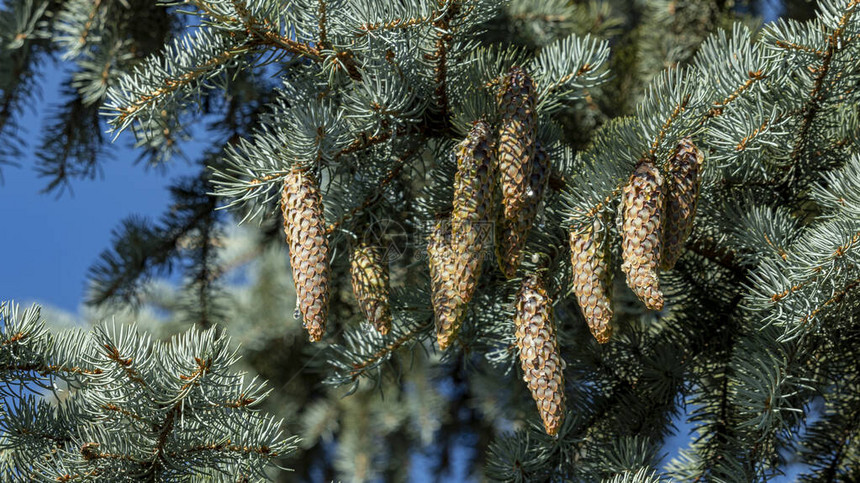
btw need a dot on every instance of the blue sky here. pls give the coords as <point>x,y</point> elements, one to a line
<point>51,241</point>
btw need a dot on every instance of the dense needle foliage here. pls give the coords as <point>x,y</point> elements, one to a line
<point>756,336</point>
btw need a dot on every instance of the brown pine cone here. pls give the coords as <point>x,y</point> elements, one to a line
<point>304,224</point>
<point>517,101</point>
<point>474,187</point>
<point>592,278</point>
<point>370,284</point>
<point>682,196</point>
<point>640,234</point>
<point>539,356</point>
<point>448,305</point>
<point>512,234</point>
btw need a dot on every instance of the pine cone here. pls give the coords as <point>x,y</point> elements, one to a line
<point>474,186</point>
<point>592,278</point>
<point>305,227</point>
<point>518,109</point>
<point>539,356</point>
<point>512,234</point>
<point>682,195</point>
<point>456,256</point>
<point>448,305</point>
<point>370,284</point>
<point>640,243</point>
<point>454,270</point>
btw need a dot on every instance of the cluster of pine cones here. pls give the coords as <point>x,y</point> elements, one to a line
<point>657,216</point>
<point>304,225</point>
<point>514,162</point>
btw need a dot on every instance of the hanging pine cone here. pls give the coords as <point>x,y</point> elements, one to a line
<point>474,186</point>
<point>448,306</point>
<point>592,278</point>
<point>305,227</point>
<point>456,256</point>
<point>517,101</point>
<point>682,195</point>
<point>370,284</point>
<point>640,245</point>
<point>512,234</point>
<point>539,356</point>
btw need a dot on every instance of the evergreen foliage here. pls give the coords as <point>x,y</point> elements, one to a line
<point>756,331</point>
<point>123,408</point>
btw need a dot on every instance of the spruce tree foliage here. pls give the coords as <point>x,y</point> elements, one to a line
<point>125,408</point>
<point>758,331</point>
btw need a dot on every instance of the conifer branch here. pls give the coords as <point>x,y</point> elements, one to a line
<point>87,27</point>
<point>564,80</point>
<point>444,36</point>
<point>365,140</point>
<point>48,369</point>
<point>835,299</point>
<point>793,289</point>
<point>164,430</point>
<point>679,108</point>
<point>361,142</point>
<point>743,142</point>
<point>396,23</point>
<point>125,363</point>
<point>371,360</point>
<point>719,437</point>
<point>323,29</point>
<point>114,408</point>
<point>206,7</point>
<point>92,412</point>
<point>173,84</point>
<point>11,94</point>
<point>719,106</point>
<point>21,45</point>
<point>835,43</point>
<point>78,476</point>
<point>370,199</point>
<point>839,252</point>
<point>802,48</point>
<point>266,34</point>
<point>225,446</point>
<point>111,285</point>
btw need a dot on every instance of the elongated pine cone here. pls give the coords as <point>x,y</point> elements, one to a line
<point>304,224</point>
<point>448,306</point>
<point>642,206</point>
<point>512,234</point>
<point>370,284</point>
<point>682,196</point>
<point>539,356</point>
<point>474,186</point>
<point>517,101</point>
<point>592,278</point>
